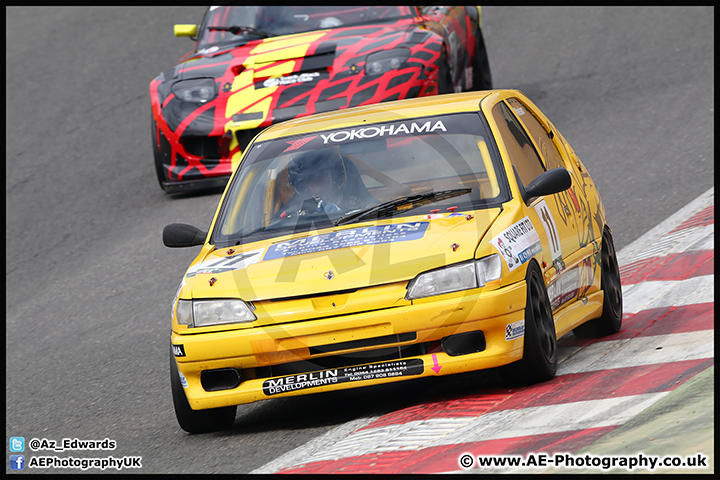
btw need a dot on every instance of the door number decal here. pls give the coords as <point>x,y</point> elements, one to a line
<point>551,231</point>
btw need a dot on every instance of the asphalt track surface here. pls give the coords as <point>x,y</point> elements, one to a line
<point>89,283</point>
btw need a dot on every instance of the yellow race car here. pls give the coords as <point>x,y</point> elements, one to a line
<point>390,242</point>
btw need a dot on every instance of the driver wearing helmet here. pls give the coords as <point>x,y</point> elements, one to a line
<point>330,182</point>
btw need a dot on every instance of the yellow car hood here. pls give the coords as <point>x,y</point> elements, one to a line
<point>344,258</point>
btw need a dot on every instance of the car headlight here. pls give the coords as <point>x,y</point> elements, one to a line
<point>488,269</point>
<point>198,90</point>
<point>204,313</point>
<point>462,276</point>
<point>381,62</point>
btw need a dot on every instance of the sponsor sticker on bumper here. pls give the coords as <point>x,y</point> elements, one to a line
<point>178,350</point>
<point>395,368</point>
<point>515,330</point>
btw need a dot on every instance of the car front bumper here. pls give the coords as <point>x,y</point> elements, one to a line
<point>352,339</point>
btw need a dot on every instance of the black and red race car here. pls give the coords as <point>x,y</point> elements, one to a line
<point>254,66</point>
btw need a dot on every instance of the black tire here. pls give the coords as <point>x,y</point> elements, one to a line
<point>197,421</point>
<point>611,319</point>
<point>445,84</point>
<point>157,156</point>
<point>482,79</point>
<point>539,362</point>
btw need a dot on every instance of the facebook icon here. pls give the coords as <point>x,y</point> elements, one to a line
<point>17,462</point>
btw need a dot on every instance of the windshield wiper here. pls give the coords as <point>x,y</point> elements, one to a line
<point>409,202</point>
<point>238,29</point>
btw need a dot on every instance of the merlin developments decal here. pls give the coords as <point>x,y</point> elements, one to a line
<point>354,237</point>
<point>395,368</point>
<point>226,264</point>
<point>518,243</point>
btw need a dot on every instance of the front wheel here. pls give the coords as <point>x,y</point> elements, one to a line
<point>197,421</point>
<point>539,362</point>
<point>611,319</point>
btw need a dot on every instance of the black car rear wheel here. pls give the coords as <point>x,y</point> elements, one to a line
<point>611,320</point>
<point>197,421</point>
<point>539,362</point>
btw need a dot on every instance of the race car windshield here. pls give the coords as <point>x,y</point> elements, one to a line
<point>245,23</point>
<point>359,174</point>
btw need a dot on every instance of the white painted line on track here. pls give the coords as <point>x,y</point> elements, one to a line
<point>524,422</point>
<point>696,238</point>
<point>668,293</point>
<point>545,419</point>
<point>638,351</point>
<point>631,252</point>
<point>321,443</point>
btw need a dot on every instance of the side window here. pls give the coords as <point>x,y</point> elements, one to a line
<point>548,150</point>
<point>522,153</point>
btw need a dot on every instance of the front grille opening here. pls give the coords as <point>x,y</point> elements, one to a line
<point>367,342</point>
<point>464,343</point>
<point>205,147</point>
<point>220,379</point>
<point>344,360</point>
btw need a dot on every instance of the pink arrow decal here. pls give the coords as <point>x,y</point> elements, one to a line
<point>436,366</point>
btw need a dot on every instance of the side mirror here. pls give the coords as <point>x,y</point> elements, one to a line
<point>553,181</point>
<point>178,235</point>
<point>185,30</point>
